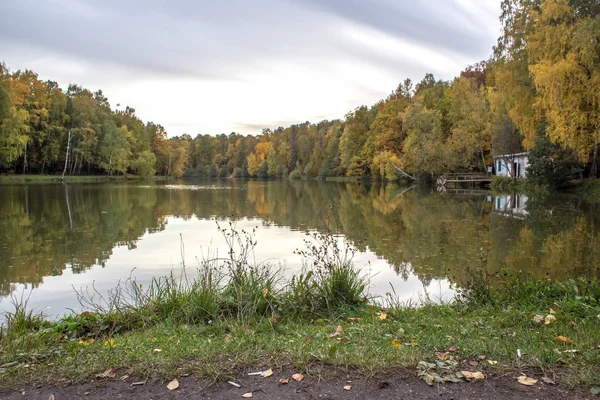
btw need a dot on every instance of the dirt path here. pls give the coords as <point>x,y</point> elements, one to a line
<point>388,387</point>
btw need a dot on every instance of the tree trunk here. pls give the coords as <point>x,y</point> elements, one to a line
<point>169,169</point>
<point>67,156</point>
<point>25,159</point>
<point>594,171</point>
<point>74,164</point>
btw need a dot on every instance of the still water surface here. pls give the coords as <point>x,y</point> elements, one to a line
<point>55,238</point>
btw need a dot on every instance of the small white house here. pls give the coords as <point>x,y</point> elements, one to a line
<point>511,165</point>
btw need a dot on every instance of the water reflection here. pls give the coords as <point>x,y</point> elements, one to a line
<point>51,230</point>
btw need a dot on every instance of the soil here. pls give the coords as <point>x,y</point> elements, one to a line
<point>330,386</point>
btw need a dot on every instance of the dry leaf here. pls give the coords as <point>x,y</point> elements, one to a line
<point>523,380</point>
<point>538,318</point>
<point>339,329</point>
<point>473,375</point>
<point>453,348</point>
<point>354,319</point>
<point>297,377</point>
<point>572,351</point>
<point>548,381</point>
<point>284,381</point>
<point>564,339</point>
<point>51,397</point>
<point>247,395</point>
<point>157,350</point>
<point>549,319</point>
<point>552,311</point>
<point>492,362</point>
<point>265,292</point>
<point>174,384</point>
<point>348,387</point>
<point>267,373</point>
<point>442,356</point>
<point>106,374</point>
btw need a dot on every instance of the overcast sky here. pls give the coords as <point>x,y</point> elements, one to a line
<point>199,66</point>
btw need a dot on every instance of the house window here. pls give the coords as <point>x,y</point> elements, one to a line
<point>499,166</point>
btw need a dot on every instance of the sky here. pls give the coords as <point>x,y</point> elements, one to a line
<point>211,67</point>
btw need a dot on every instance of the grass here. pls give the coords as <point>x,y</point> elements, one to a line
<point>17,179</point>
<point>242,314</point>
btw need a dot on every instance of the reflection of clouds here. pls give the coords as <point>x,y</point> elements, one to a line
<point>158,255</point>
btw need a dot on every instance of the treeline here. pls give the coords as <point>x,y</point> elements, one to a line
<point>542,83</point>
<point>44,129</point>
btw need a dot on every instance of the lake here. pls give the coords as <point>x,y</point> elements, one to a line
<point>59,238</point>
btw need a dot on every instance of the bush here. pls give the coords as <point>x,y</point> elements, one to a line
<point>213,171</point>
<point>295,175</point>
<point>551,166</point>
<point>238,173</point>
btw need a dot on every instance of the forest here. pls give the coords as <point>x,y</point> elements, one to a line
<point>541,82</point>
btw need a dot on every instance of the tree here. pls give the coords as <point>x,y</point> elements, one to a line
<point>551,165</point>
<point>114,149</point>
<point>144,164</point>
<point>565,63</point>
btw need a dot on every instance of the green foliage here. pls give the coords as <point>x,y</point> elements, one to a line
<point>144,164</point>
<point>551,165</point>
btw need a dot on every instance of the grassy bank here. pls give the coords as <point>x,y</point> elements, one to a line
<point>18,179</point>
<point>234,314</point>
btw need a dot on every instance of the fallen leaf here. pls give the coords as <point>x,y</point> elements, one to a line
<point>297,377</point>
<point>491,362</point>
<point>523,380</point>
<point>595,390</point>
<point>572,324</point>
<point>564,339</point>
<point>538,318</point>
<point>265,292</point>
<point>247,395</point>
<point>106,374</point>
<point>453,348</point>
<point>381,315</point>
<point>284,381</point>
<point>157,350</point>
<point>52,397</point>
<point>174,384</point>
<point>473,363</point>
<point>442,356</point>
<point>552,311</point>
<point>548,381</point>
<point>549,319</point>
<point>348,387</point>
<point>267,373</point>
<point>339,329</point>
<point>572,351</point>
<point>354,319</point>
<point>473,375</point>
<point>429,379</point>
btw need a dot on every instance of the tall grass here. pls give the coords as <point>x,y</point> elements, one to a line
<point>234,287</point>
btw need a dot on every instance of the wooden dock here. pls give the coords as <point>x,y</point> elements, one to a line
<point>462,178</point>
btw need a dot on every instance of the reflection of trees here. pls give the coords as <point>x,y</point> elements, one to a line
<point>46,227</point>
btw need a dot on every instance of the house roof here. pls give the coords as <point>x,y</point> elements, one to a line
<point>511,155</point>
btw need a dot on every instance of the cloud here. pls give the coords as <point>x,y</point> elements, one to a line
<point>214,66</point>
